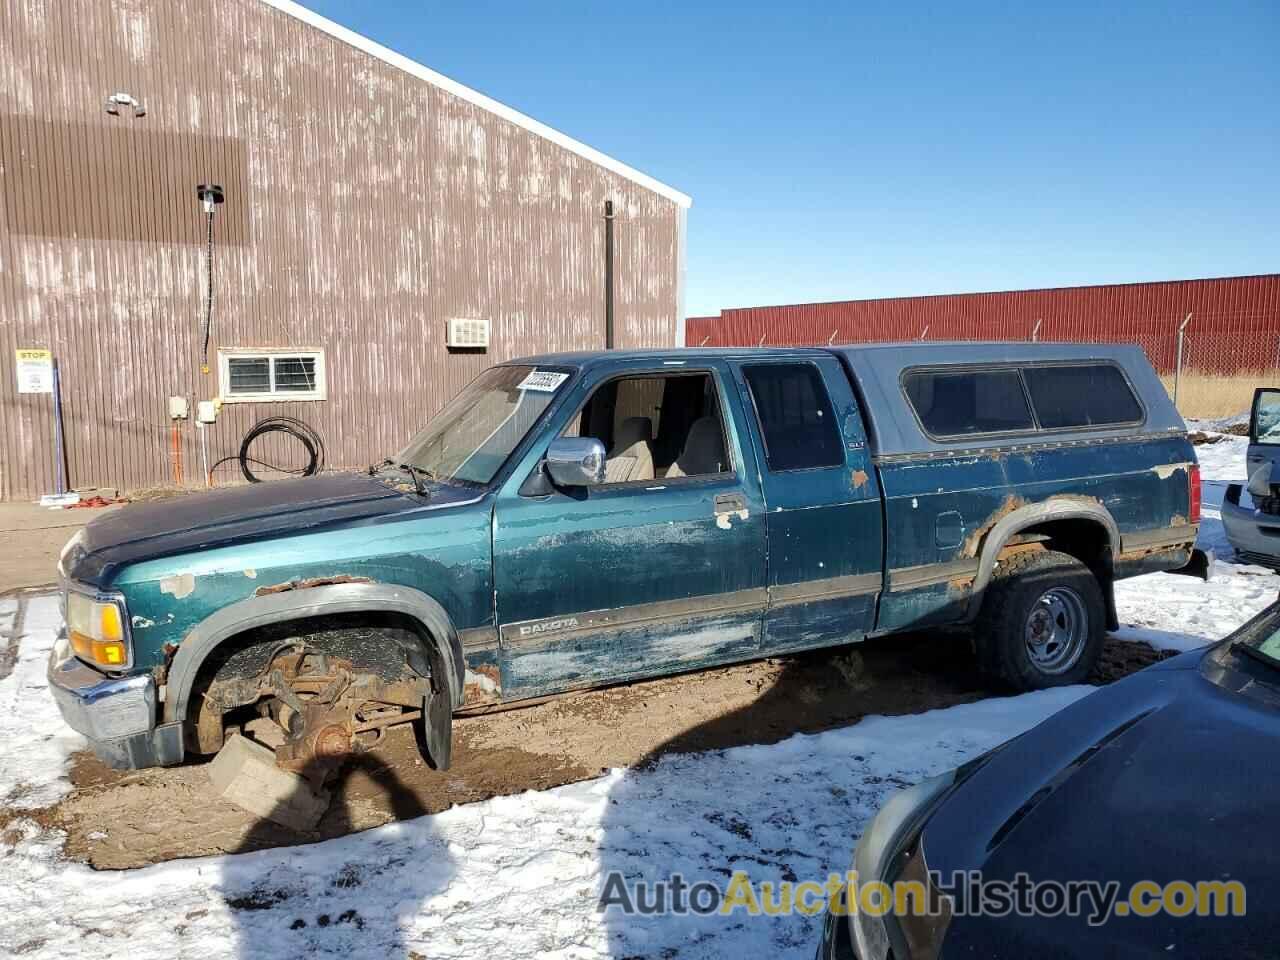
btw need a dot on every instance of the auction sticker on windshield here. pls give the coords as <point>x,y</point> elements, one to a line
<point>544,381</point>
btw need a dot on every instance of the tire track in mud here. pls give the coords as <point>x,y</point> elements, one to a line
<point>11,630</point>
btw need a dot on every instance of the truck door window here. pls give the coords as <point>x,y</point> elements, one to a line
<point>963,402</point>
<point>1081,395</point>
<point>795,415</point>
<point>661,427</point>
<point>1265,425</point>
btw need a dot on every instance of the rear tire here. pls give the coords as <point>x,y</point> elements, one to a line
<point>1042,621</point>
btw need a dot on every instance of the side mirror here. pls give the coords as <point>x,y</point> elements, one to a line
<point>576,461</point>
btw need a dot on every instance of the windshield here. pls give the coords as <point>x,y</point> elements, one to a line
<point>1262,637</point>
<point>471,438</point>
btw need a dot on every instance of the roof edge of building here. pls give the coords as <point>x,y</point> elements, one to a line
<point>412,67</point>
<point>989,293</point>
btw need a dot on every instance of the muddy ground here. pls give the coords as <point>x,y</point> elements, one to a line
<point>116,820</point>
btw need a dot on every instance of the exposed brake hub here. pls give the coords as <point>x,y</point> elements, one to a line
<point>328,711</point>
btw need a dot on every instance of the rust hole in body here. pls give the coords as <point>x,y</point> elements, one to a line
<point>974,541</point>
<point>476,693</point>
<point>308,584</point>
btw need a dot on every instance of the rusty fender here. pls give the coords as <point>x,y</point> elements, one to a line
<point>326,600</point>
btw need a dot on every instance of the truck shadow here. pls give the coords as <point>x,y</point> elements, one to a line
<point>704,817</point>
<point>698,808</point>
<point>353,897</point>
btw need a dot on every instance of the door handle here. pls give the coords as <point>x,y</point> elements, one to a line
<point>730,503</point>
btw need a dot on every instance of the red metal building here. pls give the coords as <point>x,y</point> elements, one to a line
<point>1234,325</point>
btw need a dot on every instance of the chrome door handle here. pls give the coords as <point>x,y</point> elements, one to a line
<point>730,503</point>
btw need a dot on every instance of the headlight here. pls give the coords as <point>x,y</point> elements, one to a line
<point>98,629</point>
<point>881,842</point>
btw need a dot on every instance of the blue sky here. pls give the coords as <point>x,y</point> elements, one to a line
<point>847,150</point>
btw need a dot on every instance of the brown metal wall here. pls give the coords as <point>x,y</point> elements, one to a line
<point>364,207</point>
<point>1238,316</point>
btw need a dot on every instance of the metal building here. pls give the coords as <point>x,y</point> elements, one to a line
<point>366,202</point>
<point>1231,324</point>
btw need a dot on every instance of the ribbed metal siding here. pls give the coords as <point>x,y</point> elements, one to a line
<point>364,208</point>
<point>1242,314</point>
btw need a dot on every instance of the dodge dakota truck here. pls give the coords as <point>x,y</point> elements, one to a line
<point>582,519</point>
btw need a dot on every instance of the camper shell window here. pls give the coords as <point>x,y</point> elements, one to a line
<point>1081,395</point>
<point>961,402</point>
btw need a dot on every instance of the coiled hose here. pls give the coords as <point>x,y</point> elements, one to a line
<point>292,426</point>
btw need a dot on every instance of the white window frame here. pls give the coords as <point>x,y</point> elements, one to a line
<point>271,354</point>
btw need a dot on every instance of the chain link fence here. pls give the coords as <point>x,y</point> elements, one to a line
<point>1216,340</point>
<point>1218,372</point>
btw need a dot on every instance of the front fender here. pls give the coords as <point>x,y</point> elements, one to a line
<point>318,601</point>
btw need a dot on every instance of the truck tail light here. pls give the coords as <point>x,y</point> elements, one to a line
<point>1193,509</point>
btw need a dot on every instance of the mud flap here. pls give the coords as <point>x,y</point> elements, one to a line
<point>1200,565</point>
<point>435,733</point>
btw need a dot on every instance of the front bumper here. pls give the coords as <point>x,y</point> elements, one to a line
<point>1254,535</point>
<point>117,714</point>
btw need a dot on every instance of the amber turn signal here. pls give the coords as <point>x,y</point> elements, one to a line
<point>108,653</point>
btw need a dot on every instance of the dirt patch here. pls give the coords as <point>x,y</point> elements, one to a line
<point>117,820</point>
<point>1123,657</point>
<point>1199,438</point>
<point>164,491</point>
<point>9,638</point>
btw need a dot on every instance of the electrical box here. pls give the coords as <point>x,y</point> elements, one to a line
<point>206,411</point>
<point>467,334</point>
<point>178,408</point>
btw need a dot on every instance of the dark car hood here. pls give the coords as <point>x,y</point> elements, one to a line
<point>1168,775</point>
<point>145,531</point>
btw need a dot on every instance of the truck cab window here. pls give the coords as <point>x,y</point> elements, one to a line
<point>796,419</point>
<point>963,402</point>
<point>655,428</point>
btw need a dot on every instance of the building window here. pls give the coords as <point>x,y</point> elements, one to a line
<point>254,375</point>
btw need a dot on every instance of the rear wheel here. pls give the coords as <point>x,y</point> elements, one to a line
<point>1042,621</point>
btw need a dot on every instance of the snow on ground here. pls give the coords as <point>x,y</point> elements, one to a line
<point>514,876</point>
<point>33,760</point>
<point>519,876</point>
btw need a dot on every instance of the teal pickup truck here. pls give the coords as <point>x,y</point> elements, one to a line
<point>576,520</point>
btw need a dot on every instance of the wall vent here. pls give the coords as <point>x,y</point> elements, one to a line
<point>467,334</point>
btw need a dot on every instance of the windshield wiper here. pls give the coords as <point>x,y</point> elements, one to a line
<point>416,474</point>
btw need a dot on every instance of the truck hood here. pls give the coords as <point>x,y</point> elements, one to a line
<point>1168,775</point>
<point>147,531</point>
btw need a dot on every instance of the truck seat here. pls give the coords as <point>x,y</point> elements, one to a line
<point>703,450</point>
<point>631,457</point>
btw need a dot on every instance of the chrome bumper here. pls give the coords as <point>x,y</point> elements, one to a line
<point>117,714</point>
